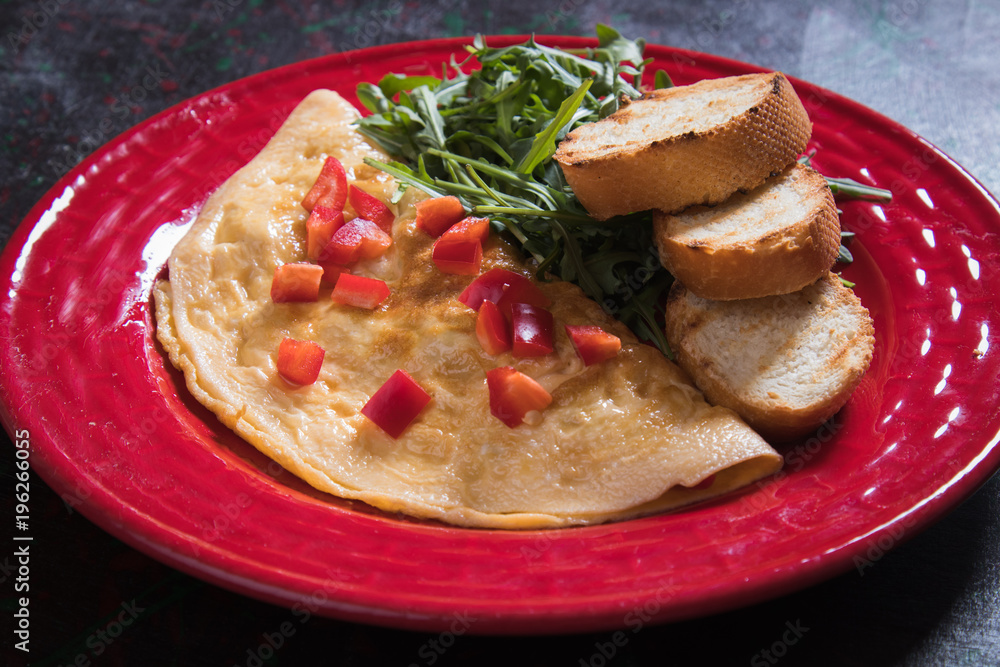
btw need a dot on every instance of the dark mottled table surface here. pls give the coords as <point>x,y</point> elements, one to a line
<point>76,73</point>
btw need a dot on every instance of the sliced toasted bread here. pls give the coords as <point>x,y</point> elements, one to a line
<point>785,363</point>
<point>686,145</point>
<point>775,239</point>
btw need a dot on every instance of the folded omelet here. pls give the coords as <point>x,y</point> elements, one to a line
<point>622,438</point>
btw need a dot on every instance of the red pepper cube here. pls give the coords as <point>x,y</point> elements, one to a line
<point>459,250</point>
<point>321,225</point>
<point>492,329</point>
<point>531,328</point>
<point>593,344</point>
<point>374,241</point>
<point>296,282</point>
<point>459,259</point>
<point>331,272</point>
<point>396,403</point>
<point>330,187</point>
<point>513,395</point>
<point>359,291</point>
<point>467,230</point>
<point>358,239</point>
<point>436,215</point>
<point>487,287</point>
<point>300,361</point>
<point>370,208</point>
<point>521,291</point>
<point>492,285</point>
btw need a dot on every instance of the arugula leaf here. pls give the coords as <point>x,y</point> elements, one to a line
<point>393,84</point>
<point>619,47</point>
<point>488,136</point>
<point>544,143</point>
<point>662,80</point>
<point>849,187</point>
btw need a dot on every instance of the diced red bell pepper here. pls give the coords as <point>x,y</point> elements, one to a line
<point>492,329</point>
<point>466,230</point>
<point>320,227</point>
<point>491,286</point>
<point>513,395</point>
<point>370,208</point>
<point>331,272</point>
<point>359,291</point>
<point>396,403</point>
<point>460,259</point>
<point>330,187</point>
<point>531,331</point>
<point>436,215</point>
<point>358,239</point>
<point>299,361</point>
<point>521,291</point>
<point>459,250</point>
<point>593,343</point>
<point>296,281</point>
<point>487,287</point>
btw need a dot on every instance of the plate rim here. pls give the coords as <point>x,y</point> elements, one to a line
<point>101,508</point>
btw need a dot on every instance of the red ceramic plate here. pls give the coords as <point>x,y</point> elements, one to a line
<point>114,431</point>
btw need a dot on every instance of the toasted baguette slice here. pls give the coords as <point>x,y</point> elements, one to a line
<point>687,145</point>
<point>775,239</point>
<point>785,363</point>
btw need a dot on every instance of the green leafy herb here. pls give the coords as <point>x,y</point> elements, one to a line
<point>486,130</point>
<point>844,256</point>
<point>488,138</point>
<point>662,80</point>
<point>851,189</point>
<point>848,187</point>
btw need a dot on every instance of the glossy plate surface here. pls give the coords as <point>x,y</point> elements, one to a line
<point>114,431</point>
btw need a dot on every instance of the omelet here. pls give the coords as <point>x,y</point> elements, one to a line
<point>624,437</point>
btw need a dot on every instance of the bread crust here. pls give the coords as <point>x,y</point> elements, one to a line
<point>776,239</point>
<point>670,170</point>
<point>784,363</point>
